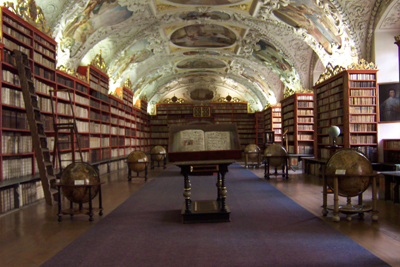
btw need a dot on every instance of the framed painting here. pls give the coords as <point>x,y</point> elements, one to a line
<point>389,102</point>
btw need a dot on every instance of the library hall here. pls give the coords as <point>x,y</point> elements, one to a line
<point>202,133</point>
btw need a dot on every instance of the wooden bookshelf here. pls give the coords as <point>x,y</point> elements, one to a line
<point>391,151</point>
<point>236,112</point>
<point>298,120</point>
<point>259,129</point>
<point>18,184</point>
<point>109,128</point>
<point>348,100</point>
<point>273,122</point>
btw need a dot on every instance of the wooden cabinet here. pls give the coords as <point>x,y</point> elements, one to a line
<point>298,122</point>
<point>391,151</point>
<point>273,122</point>
<point>349,101</point>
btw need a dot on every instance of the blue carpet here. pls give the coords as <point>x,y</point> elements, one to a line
<point>267,229</point>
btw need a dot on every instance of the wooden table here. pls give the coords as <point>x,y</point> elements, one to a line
<point>207,210</point>
<point>85,211</point>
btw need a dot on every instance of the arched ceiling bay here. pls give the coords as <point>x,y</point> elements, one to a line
<point>204,50</point>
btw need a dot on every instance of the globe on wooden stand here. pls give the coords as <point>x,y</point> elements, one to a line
<point>252,152</point>
<point>137,162</point>
<point>158,154</point>
<point>78,173</point>
<point>334,132</point>
<point>276,156</point>
<point>348,173</point>
<point>79,183</point>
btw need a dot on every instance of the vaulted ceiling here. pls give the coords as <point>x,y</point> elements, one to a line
<point>205,50</point>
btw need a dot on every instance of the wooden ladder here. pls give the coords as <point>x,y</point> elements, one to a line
<point>68,130</point>
<point>35,120</point>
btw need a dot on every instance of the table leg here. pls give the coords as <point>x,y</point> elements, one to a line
<point>223,192</point>
<point>100,202</point>
<point>152,162</point>
<point>219,185</point>
<point>186,194</point>
<point>165,162</point>
<point>59,204</point>
<point>265,167</point>
<point>324,197</point>
<point>336,217</point>
<point>90,205</point>
<point>145,173</point>
<point>374,200</point>
<point>129,174</point>
<point>246,164</point>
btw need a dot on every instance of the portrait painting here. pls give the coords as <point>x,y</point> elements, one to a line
<point>269,54</point>
<point>307,15</point>
<point>201,64</point>
<point>389,102</point>
<point>215,15</point>
<point>198,35</point>
<point>95,15</point>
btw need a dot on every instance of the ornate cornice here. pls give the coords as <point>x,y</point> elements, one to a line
<point>29,11</point>
<point>73,73</point>
<point>362,65</point>
<point>99,63</point>
<point>329,72</point>
<point>174,100</point>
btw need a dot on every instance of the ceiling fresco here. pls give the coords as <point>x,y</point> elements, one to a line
<point>254,50</point>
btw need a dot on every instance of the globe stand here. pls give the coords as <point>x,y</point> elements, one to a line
<point>348,209</point>
<point>285,168</point>
<point>252,155</point>
<point>130,176</point>
<point>153,159</point>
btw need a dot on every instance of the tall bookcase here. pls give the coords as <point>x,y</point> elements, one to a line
<point>348,100</point>
<point>109,127</point>
<point>17,160</point>
<point>391,151</point>
<point>298,121</point>
<point>236,112</point>
<point>259,128</point>
<point>273,122</point>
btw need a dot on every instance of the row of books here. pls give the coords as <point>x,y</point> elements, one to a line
<point>16,167</point>
<point>392,144</point>
<point>15,143</point>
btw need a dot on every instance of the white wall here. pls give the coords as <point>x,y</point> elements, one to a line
<point>387,59</point>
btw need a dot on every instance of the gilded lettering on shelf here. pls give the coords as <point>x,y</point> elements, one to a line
<point>362,65</point>
<point>99,63</point>
<point>30,12</point>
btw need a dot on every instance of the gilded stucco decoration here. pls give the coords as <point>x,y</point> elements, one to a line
<point>29,11</point>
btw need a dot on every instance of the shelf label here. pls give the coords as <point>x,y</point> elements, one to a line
<point>269,155</point>
<point>140,160</point>
<point>79,182</point>
<point>342,172</point>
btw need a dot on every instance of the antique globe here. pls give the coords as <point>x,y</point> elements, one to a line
<point>278,153</point>
<point>334,132</point>
<point>137,161</point>
<point>252,150</point>
<point>158,153</point>
<point>79,173</point>
<point>352,163</point>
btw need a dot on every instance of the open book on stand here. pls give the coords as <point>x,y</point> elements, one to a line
<point>198,140</point>
<point>203,142</point>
